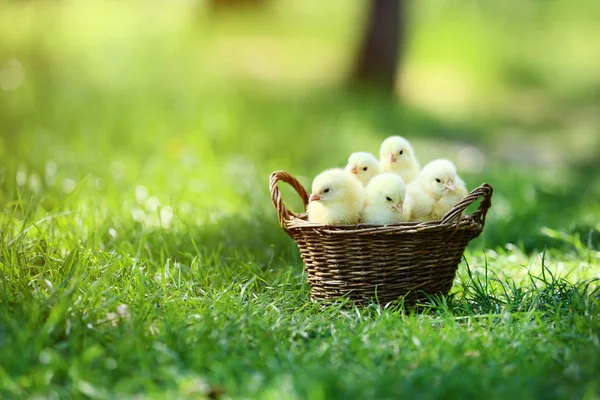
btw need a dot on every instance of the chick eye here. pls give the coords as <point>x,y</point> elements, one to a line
<point>326,190</point>
<point>401,151</point>
<point>388,199</point>
<point>437,180</point>
<point>365,168</point>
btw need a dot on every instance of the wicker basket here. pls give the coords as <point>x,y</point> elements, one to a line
<point>410,261</point>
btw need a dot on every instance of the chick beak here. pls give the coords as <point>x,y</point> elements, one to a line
<point>450,187</point>
<point>391,157</point>
<point>314,197</point>
<point>398,207</point>
<point>354,170</point>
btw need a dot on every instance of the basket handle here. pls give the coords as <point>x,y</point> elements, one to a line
<point>283,213</point>
<point>484,191</point>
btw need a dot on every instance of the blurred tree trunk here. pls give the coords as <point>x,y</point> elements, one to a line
<point>379,51</point>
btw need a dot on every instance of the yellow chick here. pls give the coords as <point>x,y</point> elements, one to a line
<point>337,198</point>
<point>434,192</point>
<point>364,165</point>
<point>384,199</point>
<point>397,156</point>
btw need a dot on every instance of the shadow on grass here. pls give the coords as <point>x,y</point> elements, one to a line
<point>256,239</point>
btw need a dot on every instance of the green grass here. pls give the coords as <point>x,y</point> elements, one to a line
<point>140,253</point>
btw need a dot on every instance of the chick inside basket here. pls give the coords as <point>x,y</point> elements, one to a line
<point>390,190</point>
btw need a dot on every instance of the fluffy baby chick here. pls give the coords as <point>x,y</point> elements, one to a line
<point>397,156</point>
<point>434,192</point>
<point>384,198</point>
<point>364,165</point>
<point>337,198</point>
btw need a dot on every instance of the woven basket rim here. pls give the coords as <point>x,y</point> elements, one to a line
<point>299,224</point>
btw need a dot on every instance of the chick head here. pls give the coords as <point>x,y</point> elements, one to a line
<point>364,165</point>
<point>334,185</point>
<point>386,190</point>
<point>439,176</point>
<point>396,150</point>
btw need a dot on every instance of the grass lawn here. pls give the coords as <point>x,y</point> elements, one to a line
<point>140,255</point>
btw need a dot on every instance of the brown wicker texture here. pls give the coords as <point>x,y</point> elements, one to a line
<point>383,263</point>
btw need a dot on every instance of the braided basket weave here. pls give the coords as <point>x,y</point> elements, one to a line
<point>411,260</point>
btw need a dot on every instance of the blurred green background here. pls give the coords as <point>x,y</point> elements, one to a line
<point>173,113</point>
